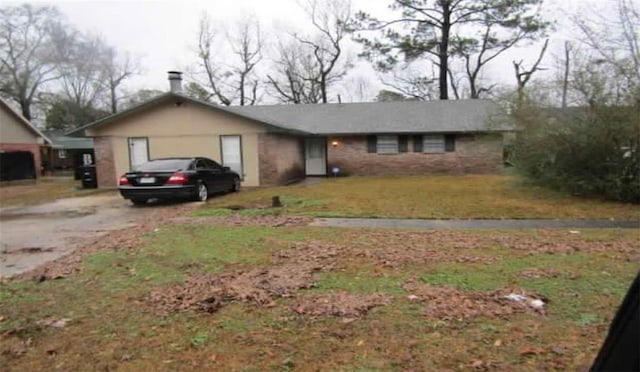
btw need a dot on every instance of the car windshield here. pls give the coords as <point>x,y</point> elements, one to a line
<point>164,165</point>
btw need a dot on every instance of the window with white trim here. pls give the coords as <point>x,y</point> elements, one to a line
<point>387,144</point>
<point>433,143</point>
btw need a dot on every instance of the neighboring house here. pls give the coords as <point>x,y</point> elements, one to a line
<point>20,145</point>
<point>68,153</point>
<point>276,144</point>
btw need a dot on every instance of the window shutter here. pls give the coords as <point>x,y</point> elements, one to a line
<point>450,142</point>
<point>371,144</point>
<point>417,143</point>
<point>403,143</point>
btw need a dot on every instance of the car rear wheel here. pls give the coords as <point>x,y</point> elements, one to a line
<point>139,201</point>
<point>236,185</point>
<point>202,193</point>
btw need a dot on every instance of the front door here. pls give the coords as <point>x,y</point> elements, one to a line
<point>138,151</point>
<point>315,156</point>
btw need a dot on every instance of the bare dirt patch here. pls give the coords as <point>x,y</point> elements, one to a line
<point>240,220</point>
<point>127,239</point>
<point>293,269</point>
<point>339,304</point>
<point>449,303</point>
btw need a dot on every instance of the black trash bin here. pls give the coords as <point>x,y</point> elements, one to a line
<point>89,177</point>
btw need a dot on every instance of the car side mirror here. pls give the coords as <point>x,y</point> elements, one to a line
<point>226,169</point>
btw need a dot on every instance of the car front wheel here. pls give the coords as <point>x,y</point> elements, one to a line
<point>202,193</point>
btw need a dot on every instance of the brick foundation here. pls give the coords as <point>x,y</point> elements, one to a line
<point>281,158</point>
<point>105,162</point>
<point>34,148</point>
<point>473,154</point>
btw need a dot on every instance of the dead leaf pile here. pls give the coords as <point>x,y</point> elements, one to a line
<point>554,242</point>
<point>293,269</point>
<point>432,238</point>
<point>399,255</point>
<point>339,304</point>
<point>241,220</point>
<point>449,303</point>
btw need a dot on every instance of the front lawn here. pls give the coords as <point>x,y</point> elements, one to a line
<point>439,197</point>
<point>203,297</point>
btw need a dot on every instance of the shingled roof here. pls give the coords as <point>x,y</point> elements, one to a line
<point>5,105</point>
<point>353,118</point>
<point>382,117</point>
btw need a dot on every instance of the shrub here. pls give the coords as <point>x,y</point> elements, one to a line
<point>586,151</point>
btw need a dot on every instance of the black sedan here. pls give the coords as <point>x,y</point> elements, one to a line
<point>177,178</point>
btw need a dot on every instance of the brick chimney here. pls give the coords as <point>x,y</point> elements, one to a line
<point>175,81</point>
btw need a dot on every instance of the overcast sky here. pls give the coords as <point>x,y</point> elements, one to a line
<point>162,34</point>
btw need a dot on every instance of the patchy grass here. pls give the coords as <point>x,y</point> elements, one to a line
<point>482,196</point>
<point>24,193</point>
<point>112,326</point>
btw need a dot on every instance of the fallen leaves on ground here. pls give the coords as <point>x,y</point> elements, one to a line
<point>240,220</point>
<point>560,242</point>
<point>449,303</point>
<point>292,270</point>
<point>339,304</point>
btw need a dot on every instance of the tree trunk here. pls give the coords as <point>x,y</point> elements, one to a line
<point>443,53</point>
<point>114,101</point>
<point>26,109</point>
<point>323,88</point>
<point>565,77</point>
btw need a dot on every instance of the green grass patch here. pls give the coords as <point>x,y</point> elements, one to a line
<point>112,327</point>
<point>441,197</point>
<point>584,280</point>
<point>363,282</point>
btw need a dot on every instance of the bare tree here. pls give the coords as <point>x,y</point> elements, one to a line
<point>116,70</point>
<point>247,46</point>
<point>80,63</point>
<point>294,76</point>
<point>307,66</point>
<point>411,83</point>
<point>566,72</point>
<point>523,75</point>
<point>613,59</point>
<point>24,52</point>
<point>236,81</point>
<point>215,75</point>
<point>489,43</point>
<point>330,18</point>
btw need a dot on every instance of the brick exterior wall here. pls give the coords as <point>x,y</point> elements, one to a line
<point>473,154</point>
<point>34,148</point>
<point>280,158</point>
<point>105,162</point>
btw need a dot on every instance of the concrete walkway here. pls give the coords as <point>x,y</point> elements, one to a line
<point>474,224</point>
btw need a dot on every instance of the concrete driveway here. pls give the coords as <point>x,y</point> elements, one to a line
<point>31,236</point>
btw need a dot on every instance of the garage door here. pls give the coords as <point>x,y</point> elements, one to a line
<point>17,165</point>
